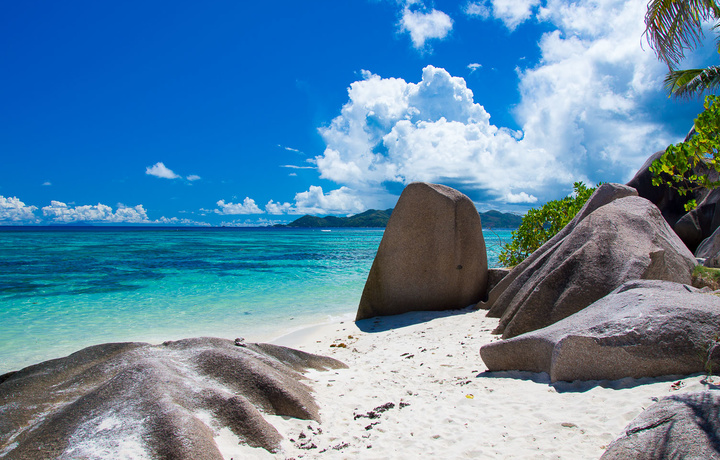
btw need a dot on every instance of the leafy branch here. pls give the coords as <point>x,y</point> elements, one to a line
<point>684,166</point>
<point>541,224</point>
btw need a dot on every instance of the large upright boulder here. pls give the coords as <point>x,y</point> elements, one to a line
<point>677,427</point>
<point>645,328</point>
<point>431,257</point>
<point>610,241</point>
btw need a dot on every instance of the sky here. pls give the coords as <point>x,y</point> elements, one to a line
<point>255,113</point>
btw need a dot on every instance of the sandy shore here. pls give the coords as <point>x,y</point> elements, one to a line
<point>416,387</point>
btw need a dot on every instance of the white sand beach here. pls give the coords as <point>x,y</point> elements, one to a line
<point>416,387</point>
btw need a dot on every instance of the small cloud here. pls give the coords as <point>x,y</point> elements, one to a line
<point>192,177</point>
<point>511,12</point>
<point>278,208</point>
<point>425,26</point>
<point>292,174</point>
<point>340,201</point>
<point>521,197</point>
<point>478,9</point>
<point>474,66</point>
<point>160,170</point>
<point>290,149</point>
<point>248,206</point>
<point>297,167</point>
<point>47,184</point>
<point>260,222</point>
<point>315,201</point>
<point>184,222</point>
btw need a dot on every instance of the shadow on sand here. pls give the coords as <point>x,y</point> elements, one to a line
<point>581,386</point>
<point>386,323</point>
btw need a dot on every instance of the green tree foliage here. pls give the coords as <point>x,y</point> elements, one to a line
<point>541,224</point>
<point>678,166</point>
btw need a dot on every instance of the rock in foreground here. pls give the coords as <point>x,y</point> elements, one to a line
<point>162,401</point>
<point>622,239</point>
<point>683,426</point>
<point>431,257</point>
<point>645,328</point>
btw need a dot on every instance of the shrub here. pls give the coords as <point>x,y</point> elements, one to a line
<point>539,225</point>
<point>706,277</point>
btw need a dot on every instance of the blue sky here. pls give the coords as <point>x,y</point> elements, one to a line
<point>253,113</point>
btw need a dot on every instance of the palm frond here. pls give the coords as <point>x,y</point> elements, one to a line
<point>692,82</point>
<point>671,26</point>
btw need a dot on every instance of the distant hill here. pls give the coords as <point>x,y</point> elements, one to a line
<point>369,218</point>
<point>497,219</point>
<point>375,218</point>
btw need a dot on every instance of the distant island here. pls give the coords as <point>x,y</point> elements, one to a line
<point>379,219</point>
<point>369,218</point>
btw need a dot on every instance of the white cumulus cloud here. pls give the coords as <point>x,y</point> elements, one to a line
<point>193,177</point>
<point>340,201</point>
<point>160,170</point>
<point>15,211</point>
<point>423,26</point>
<point>591,109</point>
<point>100,213</point>
<point>279,208</point>
<point>315,201</point>
<point>593,100</point>
<point>394,131</point>
<point>248,206</point>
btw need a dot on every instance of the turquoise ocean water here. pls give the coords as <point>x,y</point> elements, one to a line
<point>62,289</point>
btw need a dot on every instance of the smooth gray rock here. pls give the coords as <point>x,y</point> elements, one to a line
<point>502,293</point>
<point>162,401</point>
<point>623,240</point>
<point>645,328</point>
<point>683,426</point>
<point>709,250</point>
<point>431,257</point>
<point>701,222</point>
<point>495,276</point>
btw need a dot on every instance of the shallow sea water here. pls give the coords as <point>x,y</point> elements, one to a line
<point>62,289</point>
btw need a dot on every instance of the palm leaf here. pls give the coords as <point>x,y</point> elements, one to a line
<point>671,26</point>
<point>692,82</point>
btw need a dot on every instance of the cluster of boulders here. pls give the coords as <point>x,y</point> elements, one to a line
<point>608,297</point>
<point>154,401</point>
